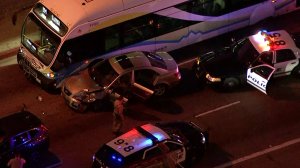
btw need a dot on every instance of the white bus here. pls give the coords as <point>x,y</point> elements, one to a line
<point>61,37</point>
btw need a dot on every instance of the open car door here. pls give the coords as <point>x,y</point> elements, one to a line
<point>141,91</point>
<point>259,76</point>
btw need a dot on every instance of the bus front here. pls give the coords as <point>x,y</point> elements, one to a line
<point>41,36</point>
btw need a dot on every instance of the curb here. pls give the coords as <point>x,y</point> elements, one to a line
<point>9,53</point>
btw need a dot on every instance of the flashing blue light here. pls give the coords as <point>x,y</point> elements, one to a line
<point>113,157</point>
<point>119,159</point>
<point>146,143</point>
<point>159,136</point>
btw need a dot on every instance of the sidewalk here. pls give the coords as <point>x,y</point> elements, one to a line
<point>9,33</point>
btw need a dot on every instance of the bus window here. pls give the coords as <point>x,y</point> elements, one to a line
<point>112,38</point>
<point>138,29</point>
<point>169,24</point>
<point>236,4</point>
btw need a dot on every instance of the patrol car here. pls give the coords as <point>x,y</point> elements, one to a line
<point>254,60</point>
<point>150,145</point>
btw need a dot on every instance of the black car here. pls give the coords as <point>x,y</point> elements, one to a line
<point>228,66</point>
<point>150,145</point>
<point>254,59</point>
<point>21,132</point>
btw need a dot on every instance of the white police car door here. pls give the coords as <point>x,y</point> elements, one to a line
<point>259,76</point>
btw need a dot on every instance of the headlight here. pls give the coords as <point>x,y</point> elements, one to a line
<point>212,79</point>
<point>198,61</point>
<point>85,96</point>
<point>50,75</point>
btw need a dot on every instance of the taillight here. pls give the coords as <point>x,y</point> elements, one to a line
<point>44,128</point>
<point>177,74</point>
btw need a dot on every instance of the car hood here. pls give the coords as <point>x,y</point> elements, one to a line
<point>80,82</point>
<point>221,63</point>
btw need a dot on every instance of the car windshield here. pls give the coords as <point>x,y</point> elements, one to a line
<point>245,51</point>
<point>156,60</point>
<point>103,73</point>
<point>40,41</point>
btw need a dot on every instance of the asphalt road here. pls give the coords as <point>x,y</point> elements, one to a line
<point>247,128</point>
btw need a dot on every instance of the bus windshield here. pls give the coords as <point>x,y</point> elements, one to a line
<point>40,41</point>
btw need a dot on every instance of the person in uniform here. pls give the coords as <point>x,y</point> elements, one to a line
<point>118,116</point>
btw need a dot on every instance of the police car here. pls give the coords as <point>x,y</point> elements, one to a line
<point>254,60</point>
<point>150,145</point>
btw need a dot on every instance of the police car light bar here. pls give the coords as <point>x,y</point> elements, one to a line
<point>264,40</point>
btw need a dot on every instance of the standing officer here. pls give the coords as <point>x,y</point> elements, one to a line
<point>118,116</point>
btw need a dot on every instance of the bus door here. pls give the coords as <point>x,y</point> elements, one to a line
<point>171,30</point>
<point>259,76</point>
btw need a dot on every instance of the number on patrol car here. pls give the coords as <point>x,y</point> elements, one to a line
<point>128,148</point>
<point>119,142</point>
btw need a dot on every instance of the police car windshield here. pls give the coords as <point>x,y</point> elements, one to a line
<point>245,52</point>
<point>103,73</point>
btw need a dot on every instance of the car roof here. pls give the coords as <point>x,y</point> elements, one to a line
<point>18,122</point>
<point>139,138</point>
<point>131,60</point>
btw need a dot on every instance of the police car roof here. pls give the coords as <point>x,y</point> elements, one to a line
<point>137,139</point>
<point>281,39</point>
<point>18,122</point>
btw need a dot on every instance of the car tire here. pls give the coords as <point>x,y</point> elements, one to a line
<point>82,108</point>
<point>199,72</point>
<point>160,89</point>
<point>231,83</point>
<point>296,71</point>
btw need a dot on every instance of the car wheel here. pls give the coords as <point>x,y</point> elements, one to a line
<point>82,108</point>
<point>199,72</point>
<point>231,83</point>
<point>160,90</point>
<point>296,71</point>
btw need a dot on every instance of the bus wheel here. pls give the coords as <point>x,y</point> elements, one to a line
<point>160,90</point>
<point>231,83</point>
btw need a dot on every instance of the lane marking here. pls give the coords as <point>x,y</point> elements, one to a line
<point>186,62</point>
<point>259,153</point>
<point>8,61</point>
<point>216,109</point>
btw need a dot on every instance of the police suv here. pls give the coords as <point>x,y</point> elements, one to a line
<point>150,145</point>
<point>254,60</point>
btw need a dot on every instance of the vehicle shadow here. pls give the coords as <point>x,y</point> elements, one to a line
<point>188,84</point>
<point>214,156</point>
<point>138,114</point>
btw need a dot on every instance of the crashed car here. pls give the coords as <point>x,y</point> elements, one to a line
<point>147,146</point>
<point>136,73</point>
<point>254,60</point>
<point>22,132</point>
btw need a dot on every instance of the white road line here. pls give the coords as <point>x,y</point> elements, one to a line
<point>186,62</point>
<point>216,109</point>
<point>259,153</point>
<point>8,61</point>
